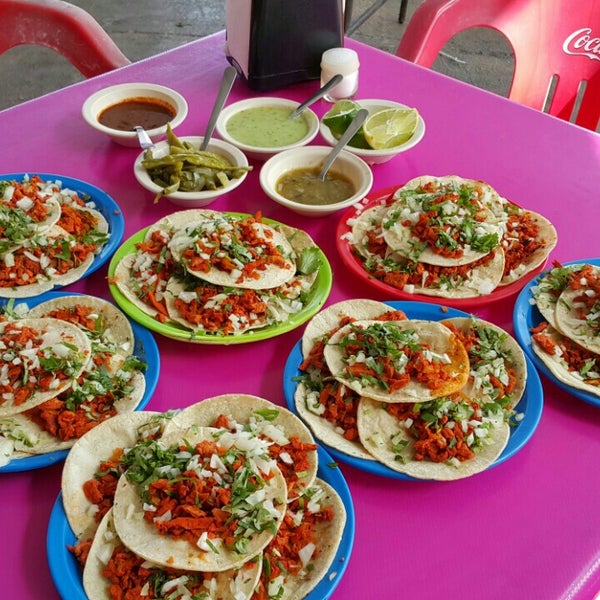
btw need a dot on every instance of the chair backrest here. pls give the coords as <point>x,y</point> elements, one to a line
<point>65,28</point>
<point>556,44</point>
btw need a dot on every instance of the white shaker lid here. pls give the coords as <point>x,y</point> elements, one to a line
<point>341,60</point>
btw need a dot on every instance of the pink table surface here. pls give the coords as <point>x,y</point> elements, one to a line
<point>529,528</point>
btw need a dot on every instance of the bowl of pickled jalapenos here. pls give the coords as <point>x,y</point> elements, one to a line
<point>179,171</point>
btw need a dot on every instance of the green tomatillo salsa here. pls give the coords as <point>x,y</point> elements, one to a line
<point>266,127</point>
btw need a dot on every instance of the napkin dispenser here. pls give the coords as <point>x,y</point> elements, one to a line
<point>274,43</point>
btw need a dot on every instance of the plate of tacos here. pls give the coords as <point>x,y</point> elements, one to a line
<point>557,322</point>
<point>446,240</point>
<point>123,518</point>
<point>413,391</point>
<point>211,277</point>
<point>54,230</point>
<point>92,364</point>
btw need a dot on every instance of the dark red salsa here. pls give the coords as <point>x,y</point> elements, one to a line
<point>147,112</point>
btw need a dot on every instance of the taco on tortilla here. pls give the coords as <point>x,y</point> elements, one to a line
<point>234,251</point>
<point>107,327</point>
<point>25,211</point>
<point>398,361</point>
<point>327,405</point>
<point>94,465</point>
<point>550,285</point>
<point>41,358</point>
<point>305,545</point>
<point>498,370</point>
<point>291,443</point>
<point>200,499</point>
<point>567,360</point>
<point>477,278</point>
<point>156,280</point>
<point>527,241</point>
<point>577,311</point>
<point>111,566</point>
<point>442,221</point>
<point>113,381</point>
<point>444,439</point>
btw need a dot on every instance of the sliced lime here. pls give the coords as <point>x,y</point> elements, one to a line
<point>340,115</point>
<point>390,127</point>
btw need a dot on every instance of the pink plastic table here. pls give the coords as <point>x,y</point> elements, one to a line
<point>528,528</point>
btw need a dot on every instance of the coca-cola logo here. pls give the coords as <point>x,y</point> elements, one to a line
<point>581,43</point>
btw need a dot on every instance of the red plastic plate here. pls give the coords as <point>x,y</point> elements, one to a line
<point>355,265</point>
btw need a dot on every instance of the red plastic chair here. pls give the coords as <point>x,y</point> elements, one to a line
<point>556,44</point>
<point>67,29</point>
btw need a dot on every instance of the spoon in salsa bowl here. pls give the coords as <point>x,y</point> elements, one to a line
<point>318,94</point>
<point>352,129</point>
<point>143,138</point>
<point>229,76</point>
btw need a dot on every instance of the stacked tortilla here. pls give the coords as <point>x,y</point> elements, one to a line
<point>219,500</point>
<point>219,274</point>
<point>89,339</point>
<point>429,399</point>
<point>568,340</point>
<point>48,236</point>
<point>449,237</point>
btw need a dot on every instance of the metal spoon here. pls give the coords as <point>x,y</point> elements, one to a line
<point>143,138</point>
<point>229,76</point>
<point>318,94</point>
<point>354,126</point>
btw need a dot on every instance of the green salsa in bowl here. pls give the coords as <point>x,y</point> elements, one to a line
<point>262,127</point>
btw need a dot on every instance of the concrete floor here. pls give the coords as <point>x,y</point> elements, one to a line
<point>146,27</point>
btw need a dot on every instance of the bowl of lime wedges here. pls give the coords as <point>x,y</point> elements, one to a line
<point>390,128</point>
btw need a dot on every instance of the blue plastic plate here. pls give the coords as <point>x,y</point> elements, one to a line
<point>531,403</point>
<point>145,348</point>
<point>66,573</point>
<point>526,315</point>
<point>102,202</point>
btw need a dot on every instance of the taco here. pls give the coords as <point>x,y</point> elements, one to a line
<point>398,361</point>
<point>234,251</point>
<point>332,317</point>
<point>550,285</point>
<point>498,370</point>
<point>325,404</point>
<point>207,308</point>
<point>442,221</point>
<point>107,327</point>
<point>292,444</point>
<point>477,278</point>
<point>41,358</point>
<point>25,211</point>
<point>98,394</point>
<point>156,282</point>
<point>111,566</point>
<point>577,310</point>
<point>113,381</point>
<point>443,439</point>
<point>44,261</point>
<point>221,514</point>
<point>305,545</point>
<point>93,466</point>
<point>567,360</point>
<point>527,241</point>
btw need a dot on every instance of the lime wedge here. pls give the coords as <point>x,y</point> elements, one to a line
<point>340,115</point>
<point>390,127</point>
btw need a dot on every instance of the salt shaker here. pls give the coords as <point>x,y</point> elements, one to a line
<point>345,62</point>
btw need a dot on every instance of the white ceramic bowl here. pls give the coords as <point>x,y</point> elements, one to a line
<point>347,164</point>
<point>102,99</point>
<point>193,199</point>
<point>263,153</point>
<point>378,156</point>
